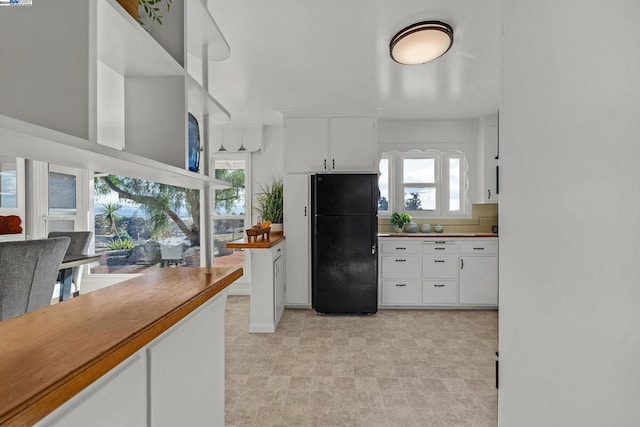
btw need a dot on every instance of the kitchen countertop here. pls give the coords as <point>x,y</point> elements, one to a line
<point>437,235</point>
<point>53,353</point>
<point>274,239</point>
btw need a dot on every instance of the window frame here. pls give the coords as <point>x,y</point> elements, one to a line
<point>441,183</point>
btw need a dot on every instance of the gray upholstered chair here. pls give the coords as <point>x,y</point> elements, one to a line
<point>79,245</point>
<point>28,271</point>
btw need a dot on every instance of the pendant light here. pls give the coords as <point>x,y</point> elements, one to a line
<point>421,42</point>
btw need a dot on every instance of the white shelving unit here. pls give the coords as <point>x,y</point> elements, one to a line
<point>90,88</point>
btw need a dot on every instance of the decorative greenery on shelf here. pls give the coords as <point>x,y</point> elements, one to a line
<point>399,220</point>
<point>270,202</point>
<point>152,9</point>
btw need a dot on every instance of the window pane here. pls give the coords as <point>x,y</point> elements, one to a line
<point>229,211</point>
<point>383,184</point>
<point>231,201</point>
<point>145,224</point>
<point>62,194</point>
<point>454,184</point>
<point>418,171</point>
<point>419,198</point>
<point>8,184</point>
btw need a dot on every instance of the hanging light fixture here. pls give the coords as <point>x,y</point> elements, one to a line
<point>422,42</point>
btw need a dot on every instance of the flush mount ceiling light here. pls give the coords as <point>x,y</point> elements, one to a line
<point>422,42</point>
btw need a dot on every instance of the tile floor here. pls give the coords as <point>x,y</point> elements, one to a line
<point>396,368</point>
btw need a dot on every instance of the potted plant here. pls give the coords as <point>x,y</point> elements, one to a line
<point>399,220</point>
<point>269,204</point>
<point>150,7</point>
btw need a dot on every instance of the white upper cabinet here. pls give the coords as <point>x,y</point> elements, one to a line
<point>344,144</point>
<point>306,145</point>
<point>353,144</point>
<point>488,159</point>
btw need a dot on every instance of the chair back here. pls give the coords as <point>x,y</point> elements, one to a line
<point>28,271</point>
<point>79,244</point>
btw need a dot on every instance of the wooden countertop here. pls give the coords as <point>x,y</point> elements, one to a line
<point>51,354</point>
<point>274,239</point>
<point>438,235</point>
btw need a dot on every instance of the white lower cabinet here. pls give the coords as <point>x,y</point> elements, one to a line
<point>447,272</point>
<point>478,280</point>
<point>176,379</point>
<point>267,287</point>
<point>439,292</point>
<point>400,291</point>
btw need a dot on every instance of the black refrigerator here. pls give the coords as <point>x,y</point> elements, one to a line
<point>344,242</point>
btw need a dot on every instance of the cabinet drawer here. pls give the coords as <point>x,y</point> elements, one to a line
<point>440,267</point>
<point>439,292</point>
<point>401,247</point>
<point>401,292</point>
<point>401,266</point>
<point>479,248</point>
<point>440,247</point>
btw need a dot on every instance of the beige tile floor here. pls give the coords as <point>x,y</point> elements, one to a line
<point>396,368</point>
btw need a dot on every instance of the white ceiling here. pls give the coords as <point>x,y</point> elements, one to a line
<point>312,57</point>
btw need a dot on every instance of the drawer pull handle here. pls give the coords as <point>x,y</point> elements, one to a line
<point>439,286</point>
<point>438,260</point>
<point>440,249</point>
<point>440,242</point>
<point>400,285</point>
<point>401,249</point>
<point>478,249</point>
<point>401,260</point>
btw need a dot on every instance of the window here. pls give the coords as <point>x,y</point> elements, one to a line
<point>383,184</point>
<point>8,183</point>
<point>140,224</point>
<point>62,199</point>
<point>231,211</point>
<point>423,184</point>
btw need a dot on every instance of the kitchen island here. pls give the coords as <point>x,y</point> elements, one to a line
<point>146,351</point>
<point>266,258</point>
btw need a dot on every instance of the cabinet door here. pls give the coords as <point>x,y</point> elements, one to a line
<point>353,145</point>
<point>119,398</point>
<point>306,145</point>
<point>490,159</point>
<point>479,280</point>
<point>278,291</point>
<point>296,228</point>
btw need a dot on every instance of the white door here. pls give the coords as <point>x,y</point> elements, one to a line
<point>296,229</point>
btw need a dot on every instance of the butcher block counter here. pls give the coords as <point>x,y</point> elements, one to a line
<point>260,243</point>
<point>53,354</point>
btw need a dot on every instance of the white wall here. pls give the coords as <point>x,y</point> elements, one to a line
<point>267,164</point>
<point>569,330</point>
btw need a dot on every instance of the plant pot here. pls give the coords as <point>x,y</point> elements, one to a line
<point>397,229</point>
<point>276,227</point>
<point>131,6</point>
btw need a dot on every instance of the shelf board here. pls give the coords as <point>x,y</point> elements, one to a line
<point>22,139</point>
<point>127,48</point>
<point>203,31</point>
<point>201,101</point>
